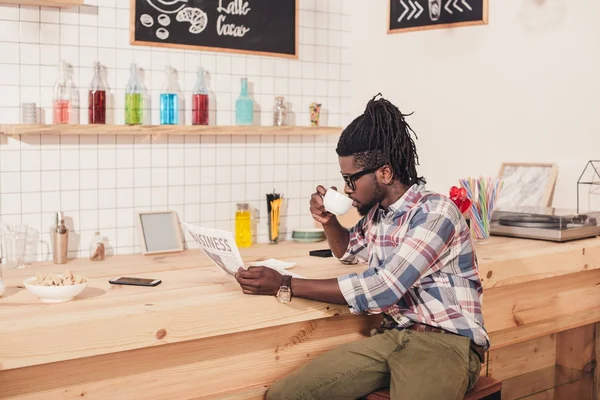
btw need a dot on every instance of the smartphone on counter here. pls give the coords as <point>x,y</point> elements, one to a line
<point>321,253</point>
<point>124,280</point>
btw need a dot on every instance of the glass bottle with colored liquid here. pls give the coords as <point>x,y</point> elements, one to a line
<point>134,98</point>
<point>244,107</point>
<point>74,117</point>
<point>169,99</point>
<point>97,98</point>
<point>61,105</point>
<point>200,100</point>
<point>243,226</point>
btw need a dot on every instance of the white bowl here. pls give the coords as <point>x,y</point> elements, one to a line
<point>54,294</point>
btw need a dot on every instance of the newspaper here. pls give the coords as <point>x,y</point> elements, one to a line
<point>220,247</point>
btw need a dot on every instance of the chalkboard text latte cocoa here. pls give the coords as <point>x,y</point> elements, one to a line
<point>263,27</point>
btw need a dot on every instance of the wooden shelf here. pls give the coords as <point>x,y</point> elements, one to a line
<point>45,3</point>
<point>15,130</point>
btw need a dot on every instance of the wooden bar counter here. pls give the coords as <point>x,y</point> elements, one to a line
<point>196,336</point>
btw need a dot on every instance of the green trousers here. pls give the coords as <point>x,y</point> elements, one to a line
<point>415,365</point>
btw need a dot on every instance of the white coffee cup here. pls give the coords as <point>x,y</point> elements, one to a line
<point>336,203</point>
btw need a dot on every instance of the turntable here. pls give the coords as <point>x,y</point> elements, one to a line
<point>545,224</point>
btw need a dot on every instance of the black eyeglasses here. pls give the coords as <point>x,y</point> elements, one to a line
<point>351,179</point>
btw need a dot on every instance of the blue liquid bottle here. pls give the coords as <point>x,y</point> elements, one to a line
<point>244,107</point>
<point>169,100</point>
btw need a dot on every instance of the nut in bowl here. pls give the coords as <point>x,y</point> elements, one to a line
<point>52,288</point>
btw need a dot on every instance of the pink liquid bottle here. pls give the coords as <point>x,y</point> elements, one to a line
<point>200,100</point>
<point>97,98</point>
<point>61,107</point>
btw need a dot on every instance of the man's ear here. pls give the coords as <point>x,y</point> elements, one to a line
<point>386,175</point>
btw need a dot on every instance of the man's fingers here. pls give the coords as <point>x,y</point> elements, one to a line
<point>248,281</point>
<point>316,199</point>
<point>321,190</point>
<point>248,287</point>
<point>251,273</point>
<point>319,219</point>
<point>318,210</point>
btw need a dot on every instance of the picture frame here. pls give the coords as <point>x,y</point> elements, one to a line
<point>160,232</point>
<point>133,40</point>
<point>526,185</point>
<point>420,15</point>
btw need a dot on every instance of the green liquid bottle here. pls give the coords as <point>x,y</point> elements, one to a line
<point>133,109</point>
<point>134,104</point>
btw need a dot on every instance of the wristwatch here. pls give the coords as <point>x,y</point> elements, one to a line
<point>284,294</point>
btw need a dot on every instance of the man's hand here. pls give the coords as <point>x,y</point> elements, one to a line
<point>267,281</point>
<point>259,280</point>
<point>317,209</point>
<point>337,235</point>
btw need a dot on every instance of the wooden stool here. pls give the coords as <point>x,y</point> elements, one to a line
<point>485,388</point>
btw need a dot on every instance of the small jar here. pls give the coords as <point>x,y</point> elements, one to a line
<point>279,112</point>
<point>97,248</point>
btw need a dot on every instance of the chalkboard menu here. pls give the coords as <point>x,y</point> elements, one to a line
<point>414,15</point>
<point>267,27</point>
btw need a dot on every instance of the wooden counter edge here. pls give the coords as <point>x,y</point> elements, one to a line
<point>151,330</point>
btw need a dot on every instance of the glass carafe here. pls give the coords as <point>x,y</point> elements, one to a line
<point>169,99</point>
<point>61,106</point>
<point>75,99</point>
<point>133,98</point>
<point>200,100</point>
<point>1,282</point>
<point>14,246</point>
<point>97,98</point>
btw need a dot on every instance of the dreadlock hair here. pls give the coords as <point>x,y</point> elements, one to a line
<point>381,136</point>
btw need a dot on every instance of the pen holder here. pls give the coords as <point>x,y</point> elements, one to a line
<point>273,230</point>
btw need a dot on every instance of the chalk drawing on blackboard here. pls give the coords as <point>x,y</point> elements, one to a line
<point>147,20</point>
<point>164,20</point>
<point>169,7</point>
<point>162,33</point>
<point>435,9</point>
<point>456,6</point>
<point>195,16</point>
<point>171,2</point>
<point>414,14</point>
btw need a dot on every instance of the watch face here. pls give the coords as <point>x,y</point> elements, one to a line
<point>284,295</point>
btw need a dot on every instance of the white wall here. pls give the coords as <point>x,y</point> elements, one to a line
<point>522,88</point>
<point>100,182</point>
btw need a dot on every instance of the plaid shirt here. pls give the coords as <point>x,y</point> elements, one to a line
<point>422,266</point>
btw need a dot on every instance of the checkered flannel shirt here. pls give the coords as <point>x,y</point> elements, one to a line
<point>422,267</point>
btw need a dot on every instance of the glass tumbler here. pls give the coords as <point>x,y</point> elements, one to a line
<point>28,113</point>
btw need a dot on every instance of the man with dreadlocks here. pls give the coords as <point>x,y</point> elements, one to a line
<point>422,276</point>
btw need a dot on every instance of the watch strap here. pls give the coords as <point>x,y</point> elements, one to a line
<point>286,281</point>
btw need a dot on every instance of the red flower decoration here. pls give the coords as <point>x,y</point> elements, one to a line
<point>459,197</point>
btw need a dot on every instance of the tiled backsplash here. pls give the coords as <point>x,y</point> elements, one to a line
<point>101,182</point>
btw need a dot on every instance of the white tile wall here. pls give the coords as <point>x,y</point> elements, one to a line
<point>100,182</point>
